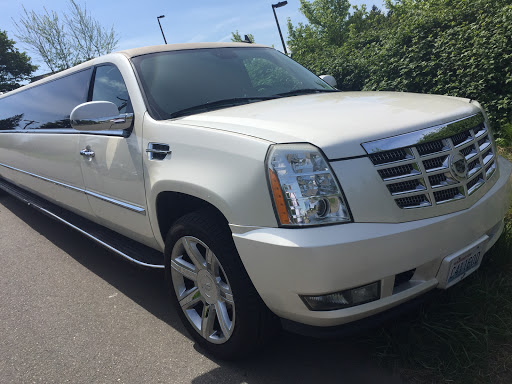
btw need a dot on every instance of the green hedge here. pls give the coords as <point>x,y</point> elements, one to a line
<point>453,47</point>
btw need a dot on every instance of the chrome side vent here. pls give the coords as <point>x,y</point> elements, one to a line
<point>157,151</point>
<point>426,170</point>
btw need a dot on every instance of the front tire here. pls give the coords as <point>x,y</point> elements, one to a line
<point>211,290</point>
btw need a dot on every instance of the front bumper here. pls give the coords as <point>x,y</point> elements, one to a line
<point>285,263</point>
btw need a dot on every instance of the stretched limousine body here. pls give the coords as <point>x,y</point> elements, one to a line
<point>263,192</point>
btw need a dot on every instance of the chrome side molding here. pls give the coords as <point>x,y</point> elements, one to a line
<point>129,206</point>
<point>68,131</point>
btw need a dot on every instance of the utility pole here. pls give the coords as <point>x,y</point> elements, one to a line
<point>158,19</point>
<point>274,6</point>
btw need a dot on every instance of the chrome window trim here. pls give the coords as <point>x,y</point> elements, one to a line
<point>441,131</point>
<point>68,131</point>
<point>131,207</point>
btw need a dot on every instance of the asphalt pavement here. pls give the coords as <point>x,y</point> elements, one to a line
<point>72,312</point>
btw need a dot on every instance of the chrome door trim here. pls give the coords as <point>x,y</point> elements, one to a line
<point>43,178</point>
<point>68,131</point>
<point>129,206</point>
<point>119,203</point>
<point>438,132</point>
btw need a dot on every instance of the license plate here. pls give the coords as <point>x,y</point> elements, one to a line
<point>460,265</point>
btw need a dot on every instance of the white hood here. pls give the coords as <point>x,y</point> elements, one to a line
<point>336,122</point>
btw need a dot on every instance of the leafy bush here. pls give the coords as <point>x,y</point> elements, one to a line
<point>453,47</point>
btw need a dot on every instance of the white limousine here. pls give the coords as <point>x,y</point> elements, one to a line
<point>268,197</point>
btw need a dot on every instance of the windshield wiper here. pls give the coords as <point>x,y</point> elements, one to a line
<point>305,91</point>
<point>210,106</point>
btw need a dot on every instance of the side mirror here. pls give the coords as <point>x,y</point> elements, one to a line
<point>99,116</point>
<point>329,80</point>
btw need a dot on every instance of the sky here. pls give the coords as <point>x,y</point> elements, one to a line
<point>184,22</point>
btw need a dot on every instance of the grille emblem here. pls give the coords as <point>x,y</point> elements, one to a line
<point>459,166</point>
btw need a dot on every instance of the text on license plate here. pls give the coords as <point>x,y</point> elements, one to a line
<point>464,265</point>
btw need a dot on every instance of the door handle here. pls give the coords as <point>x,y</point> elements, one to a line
<point>87,152</point>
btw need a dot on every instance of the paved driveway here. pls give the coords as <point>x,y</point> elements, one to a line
<point>72,312</point>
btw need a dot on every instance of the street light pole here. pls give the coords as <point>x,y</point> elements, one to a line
<point>274,6</point>
<point>158,19</point>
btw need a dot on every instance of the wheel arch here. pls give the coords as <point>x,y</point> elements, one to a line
<point>171,205</point>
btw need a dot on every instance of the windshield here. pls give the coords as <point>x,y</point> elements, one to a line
<point>178,83</point>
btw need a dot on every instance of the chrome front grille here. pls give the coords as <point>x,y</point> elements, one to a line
<point>391,156</point>
<point>423,168</point>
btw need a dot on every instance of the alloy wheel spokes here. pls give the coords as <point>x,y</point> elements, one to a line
<point>225,322</point>
<point>184,268</point>
<point>211,263</point>
<point>208,321</point>
<point>190,298</point>
<point>203,290</point>
<point>225,293</point>
<point>193,253</point>
<point>214,312</point>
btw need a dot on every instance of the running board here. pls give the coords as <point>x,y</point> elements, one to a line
<point>123,246</point>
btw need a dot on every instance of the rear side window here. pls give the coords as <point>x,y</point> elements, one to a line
<point>46,106</point>
<point>109,86</point>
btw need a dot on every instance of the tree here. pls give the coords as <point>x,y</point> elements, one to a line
<point>327,18</point>
<point>67,40</point>
<point>236,38</point>
<point>457,48</point>
<point>15,66</point>
<point>312,44</point>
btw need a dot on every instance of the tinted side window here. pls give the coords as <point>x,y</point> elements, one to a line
<point>46,106</point>
<point>109,86</point>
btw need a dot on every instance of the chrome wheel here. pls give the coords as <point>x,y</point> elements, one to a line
<point>203,290</point>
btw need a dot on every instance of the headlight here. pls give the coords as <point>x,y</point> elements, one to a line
<point>303,186</point>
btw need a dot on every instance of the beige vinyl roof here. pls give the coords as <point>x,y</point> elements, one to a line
<point>178,47</point>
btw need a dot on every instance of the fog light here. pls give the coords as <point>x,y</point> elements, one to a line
<point>343,299</point>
